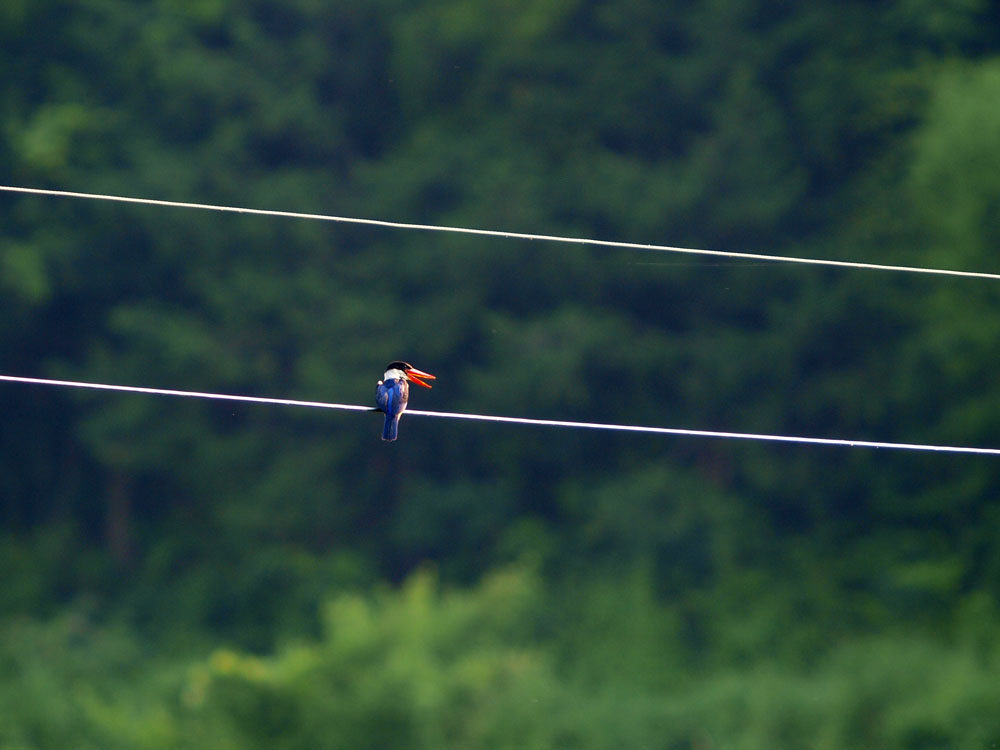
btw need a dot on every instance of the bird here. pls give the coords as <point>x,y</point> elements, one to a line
<point>393,391</point>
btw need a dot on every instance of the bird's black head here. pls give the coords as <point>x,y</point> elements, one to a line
<point>410,373</point>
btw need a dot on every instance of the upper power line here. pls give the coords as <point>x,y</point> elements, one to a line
<point>508,235</point>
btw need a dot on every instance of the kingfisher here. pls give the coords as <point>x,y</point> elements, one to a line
<point>393,391</point>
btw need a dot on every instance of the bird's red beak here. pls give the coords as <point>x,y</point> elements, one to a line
<point>414,375</point>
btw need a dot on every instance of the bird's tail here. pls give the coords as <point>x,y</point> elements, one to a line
<point>390,427</point>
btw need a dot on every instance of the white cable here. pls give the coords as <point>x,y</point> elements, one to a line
<point>508,235</point>
<point>189,394</point>
<point>520,420</point>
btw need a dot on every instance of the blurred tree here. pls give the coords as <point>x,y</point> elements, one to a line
<point>854,129</point>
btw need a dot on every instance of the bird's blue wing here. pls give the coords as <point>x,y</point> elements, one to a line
<point>391,396</point>
<point>382,397</point>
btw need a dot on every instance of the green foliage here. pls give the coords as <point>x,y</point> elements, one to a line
<point>426,667</point>
<point>67,684</point>
<point>413,667</point>
<point>957,161</point>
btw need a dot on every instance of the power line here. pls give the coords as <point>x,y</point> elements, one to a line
<point>507,235</point>
<point>833,442</point>
<point>187,394</point>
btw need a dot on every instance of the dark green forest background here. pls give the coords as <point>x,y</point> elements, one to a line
<point>182,574</point>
